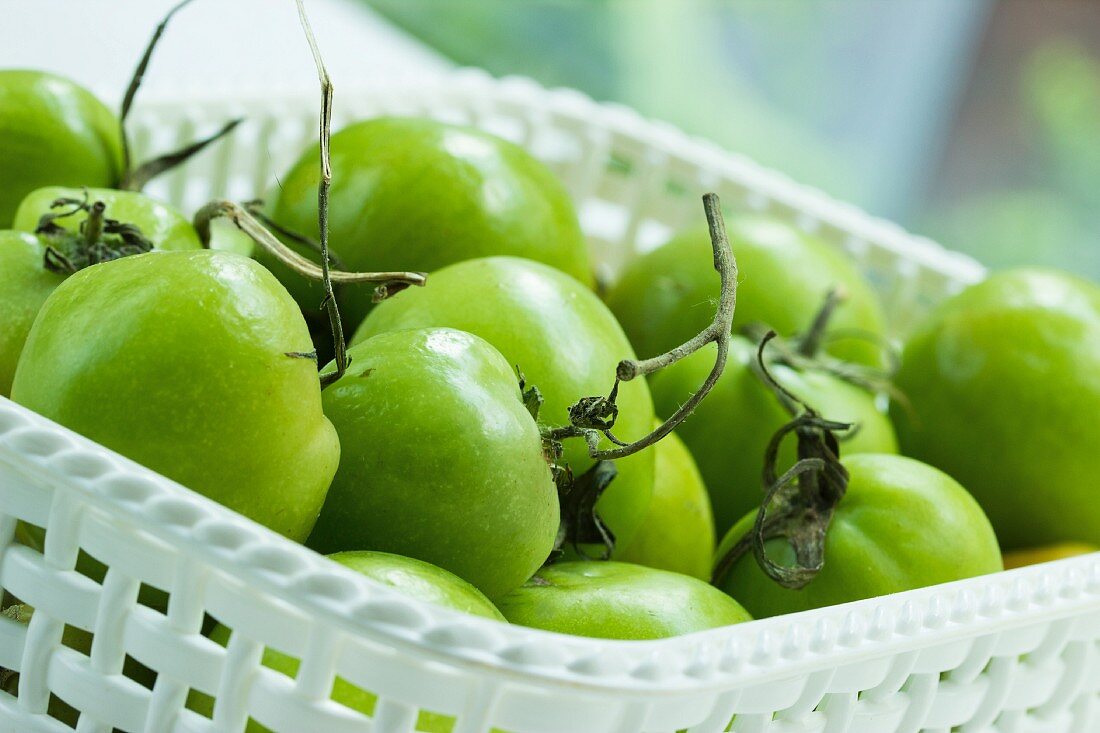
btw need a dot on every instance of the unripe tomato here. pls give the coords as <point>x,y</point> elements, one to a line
<point>616,600</point>
<point>1004,381</point>
<point>441,460</point>
<point>24,286</point>
<point>666,296</point>
<point>52,132</point>
<point>563,339</point>
<point>189,363</point>
<point>901,525</point>
<point>160,223</point>
<point>417,194</point>
<point>25,279</point>
<point>407,576</point>
<point>729,431</point>
<point>677,533</point>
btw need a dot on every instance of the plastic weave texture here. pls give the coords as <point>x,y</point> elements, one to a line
<point>1011,653</point>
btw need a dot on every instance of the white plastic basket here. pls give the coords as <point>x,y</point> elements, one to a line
<point>1011,653</point>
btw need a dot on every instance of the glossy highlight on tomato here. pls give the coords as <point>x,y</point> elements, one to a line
<point>191,364</point>
<point>417,194</point>
<point>1004,383</point>
<point>561,337</point>
<point>441,460</point>
<point>52,132</point>
<point>901,525</point>
<point>26,279</point>
<point>615,600</point>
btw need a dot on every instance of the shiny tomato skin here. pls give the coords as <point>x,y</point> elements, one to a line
<point>1004,384</point>
<point>677,533</point>
<point>729,431</point>
<point>666,296</point>
<point>187,363</point>
<point>616,600</point>
<point>441,460</point>
<point>901,525</point>
<point>24,286</point>
<point>24,279</point>
<point>418,194</point>
<point>561,337</point>
<point>52,132</point>
<point>162,224</point>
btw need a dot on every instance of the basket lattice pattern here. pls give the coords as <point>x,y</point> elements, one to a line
<point>1011,653</point>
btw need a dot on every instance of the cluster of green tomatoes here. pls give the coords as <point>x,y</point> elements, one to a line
<point>446,454</point>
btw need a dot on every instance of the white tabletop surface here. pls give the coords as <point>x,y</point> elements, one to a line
<point>212,47</point>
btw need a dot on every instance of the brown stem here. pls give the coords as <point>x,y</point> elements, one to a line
<point>586,415</point>
<point>329,302</point>
<point>804,352</point>
<point>809,344</point>
<point>136,179</point>
<point>798,506</point>
<point>255,207</point>
<point>135,84</point>
<point>296,262</point>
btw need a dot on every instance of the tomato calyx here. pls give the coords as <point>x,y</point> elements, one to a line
<point>581,525</point>
<point>99,240</point>
<point>593,418</point>
<point>798,505</point>
<point>805,352</point>
<point>531,395</point>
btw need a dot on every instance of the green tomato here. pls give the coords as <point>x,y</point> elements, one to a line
<point>667,296</point>
<point>729,431</point>
<point>564,340</point>
<point>52,132</point>
<point>24,287</point>
<point>617,600</point>
<point>677,533</point>
<point>441,460</point>
<point>24,279</point>
<point>1004,381</point>
<point>417,194</point>
<point>160,223</point>
<point>184,362</point>
<point>407,576</point>
<point>901,525</point>
<point>420,580</point>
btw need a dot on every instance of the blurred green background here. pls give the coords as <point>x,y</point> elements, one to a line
<point>973,121</point>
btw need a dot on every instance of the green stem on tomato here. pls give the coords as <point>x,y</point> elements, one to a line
<point>591,417</point>
<point>93,225</point>
<point>243,220</point>
<point>329,302</point>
